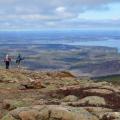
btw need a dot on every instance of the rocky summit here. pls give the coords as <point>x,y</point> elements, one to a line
<point>57,95</point>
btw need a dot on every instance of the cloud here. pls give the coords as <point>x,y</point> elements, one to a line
<point>46,6</point>
<point>50,13</point>
<point>60,9</point>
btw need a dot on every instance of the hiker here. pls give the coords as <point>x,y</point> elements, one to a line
<point>18,60</point>
<point>7,61</point>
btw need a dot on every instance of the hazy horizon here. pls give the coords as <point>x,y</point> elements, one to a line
<point>105,38</point>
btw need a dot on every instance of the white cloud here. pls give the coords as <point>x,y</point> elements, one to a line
<point>57,13</point>
<point>60,9</point>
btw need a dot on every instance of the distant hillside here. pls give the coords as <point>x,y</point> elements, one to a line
<point>93,61</point>
<point>114,79</point>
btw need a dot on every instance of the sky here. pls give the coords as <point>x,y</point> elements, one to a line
<point>59,14</point>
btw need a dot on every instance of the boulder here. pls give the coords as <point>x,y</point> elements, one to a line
<point>93,100</point>
<point>28,115</point>
<point>70,98</point>
<point>90,101</point>
<point>51,112</point>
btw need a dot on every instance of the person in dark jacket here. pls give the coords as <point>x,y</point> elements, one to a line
<point>7,61</point>
<point>18,60</point>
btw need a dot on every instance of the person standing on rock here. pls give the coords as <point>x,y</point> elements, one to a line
<point>7,61</point>
<point>18,60</point>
